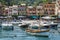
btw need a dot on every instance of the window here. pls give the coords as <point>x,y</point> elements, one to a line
<point>39,9</point>
<point>30,9</point>
<point>10,10</point>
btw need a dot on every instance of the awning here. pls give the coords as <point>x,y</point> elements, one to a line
<point>47,17</point>
<point>34,17</point>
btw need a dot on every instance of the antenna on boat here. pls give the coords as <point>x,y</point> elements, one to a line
<point>39,21</point>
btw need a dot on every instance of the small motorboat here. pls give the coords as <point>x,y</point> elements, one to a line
<point>16,22</point>
<point>53,24</point>
<point>37,32</point>
<point>23,25</point>
<point>50,21</point>
<point>7,26</point>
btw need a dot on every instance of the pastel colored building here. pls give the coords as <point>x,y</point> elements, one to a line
<point>58,7</point>
<point>22,9</point>
<point>10,10</point>
<point>31,10</point>
<point>15,10</point>
<point>6,11</point>
<point>49,9</point>
<point>39,10</point>
<point>1,9</point>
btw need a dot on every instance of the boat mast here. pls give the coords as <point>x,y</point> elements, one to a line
<point>39,20</point>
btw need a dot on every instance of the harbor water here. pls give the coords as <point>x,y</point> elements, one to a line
<point>19,34</point>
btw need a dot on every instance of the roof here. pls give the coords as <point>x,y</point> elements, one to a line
<point>30,6</point>
<point>23,4</point>
<point>39,7</point>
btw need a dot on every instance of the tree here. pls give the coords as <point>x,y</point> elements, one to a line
<point>45,1</point>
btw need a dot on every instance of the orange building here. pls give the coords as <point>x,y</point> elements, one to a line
<point>49,9</point>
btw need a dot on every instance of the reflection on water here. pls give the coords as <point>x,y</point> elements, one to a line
<point>19,34</point>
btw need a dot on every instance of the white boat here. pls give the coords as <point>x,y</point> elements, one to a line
<point>48,17</point>
<point>16,23</point>
<point>52,24</point>
<point>25,23</point>
<point>49,21</point>
<point>7,26</point>
<point>41,24</point>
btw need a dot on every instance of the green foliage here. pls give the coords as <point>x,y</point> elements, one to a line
<point>28,2</point>
<point>45,1</point>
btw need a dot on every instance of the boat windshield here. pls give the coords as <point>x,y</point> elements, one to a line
<point>34,27</point>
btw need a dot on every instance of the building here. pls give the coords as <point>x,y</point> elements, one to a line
<point>6,11</point>
<point>1,9</point>
<point>10,11</point>
<point>57,7</point>
<point>49,9</point>
<point>31,11</point>
<point>40,10</point>
<point>15,10</point>
<point>22,9</point>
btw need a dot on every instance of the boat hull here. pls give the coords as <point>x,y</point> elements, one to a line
<point>24,26</point>
<point>7,27</point>
<point>54,25</point>
<point>44,34</point>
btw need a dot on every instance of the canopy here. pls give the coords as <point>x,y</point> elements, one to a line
<point>21,16</point>
<point>47,17</point>
<point>34,17</point>
<point>3,17</point>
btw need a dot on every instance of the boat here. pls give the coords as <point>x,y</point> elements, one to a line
<point>7,26</point>
<point>38,30</point>
<point>48,17</point>
<point>16,22</point>
<point>52,24</point>
<point>23,25</point>
<point>49,20</point>
<point>35,31</point>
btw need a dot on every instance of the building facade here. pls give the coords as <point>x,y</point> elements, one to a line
<point>6,11</point>
<point>31,11</point>
<point>57,7</point>
<point>49,9</point>
<point>22,9</point>
<point>1,9</point>
<point>39,10</point>
<point>10,10</point>
<point>15,10</point>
